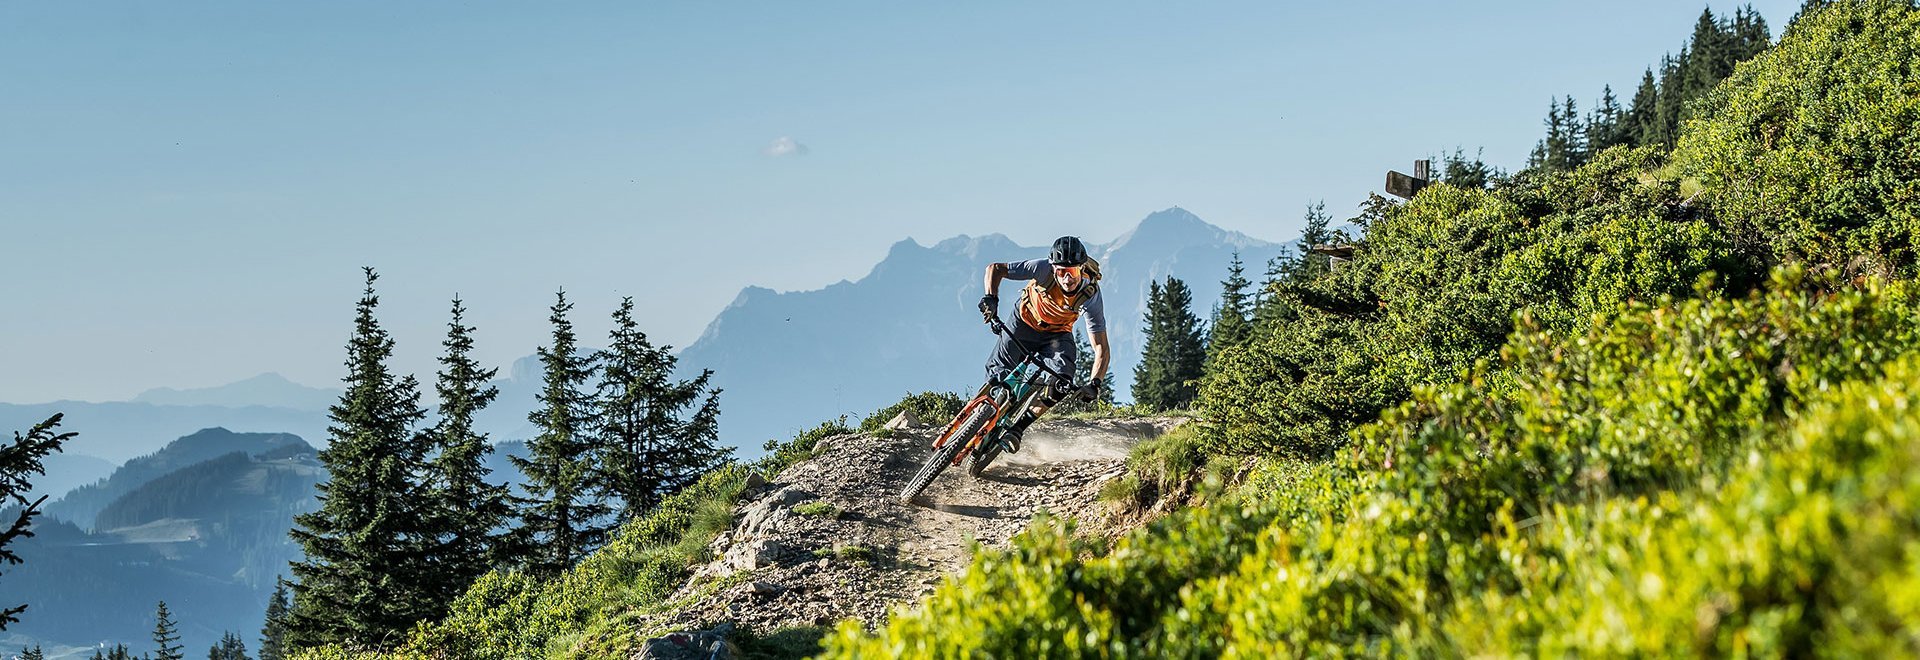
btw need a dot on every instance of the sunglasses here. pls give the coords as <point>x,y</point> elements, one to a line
<point>1068,270</point>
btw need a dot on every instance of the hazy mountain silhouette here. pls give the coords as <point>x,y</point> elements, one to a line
<point>269,389</point>
<point>790,360</point>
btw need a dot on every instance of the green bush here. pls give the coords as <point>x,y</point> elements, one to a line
<point>1446,531</point>
<point>1809,150</point>
<point>935,408</point>
<point>1436,285</point>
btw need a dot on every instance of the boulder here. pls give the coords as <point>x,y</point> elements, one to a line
<point>692,645</point>
<point>755,555</point>
<point>904,421</point>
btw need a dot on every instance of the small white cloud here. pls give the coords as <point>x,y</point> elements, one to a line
<point>785,146</point>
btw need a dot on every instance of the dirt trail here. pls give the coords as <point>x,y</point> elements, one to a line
<point>827,539</point>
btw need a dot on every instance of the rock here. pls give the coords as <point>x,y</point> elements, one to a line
<point>790,496</point>
<point>906,420</point>
<point>767,589</point>
<point>693,645</point>
<point>755,555</point>
<point>755,481</point>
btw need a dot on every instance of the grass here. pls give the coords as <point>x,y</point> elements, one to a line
<point>817,508</point>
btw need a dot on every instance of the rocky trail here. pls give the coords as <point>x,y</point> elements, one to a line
<point>827,539</point>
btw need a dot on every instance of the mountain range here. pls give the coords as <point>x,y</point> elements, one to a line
<point>788,361</point>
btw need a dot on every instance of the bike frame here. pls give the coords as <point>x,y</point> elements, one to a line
<point>1019,383</point>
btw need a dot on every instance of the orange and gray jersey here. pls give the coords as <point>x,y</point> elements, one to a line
<point>1046,307</point>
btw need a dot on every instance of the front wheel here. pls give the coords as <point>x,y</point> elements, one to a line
<point>943,455</point>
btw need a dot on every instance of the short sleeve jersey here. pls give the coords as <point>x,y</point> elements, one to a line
<point>1041,271</point>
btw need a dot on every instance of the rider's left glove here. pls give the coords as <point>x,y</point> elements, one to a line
<point>990,307</point>
<point>1089,392</point>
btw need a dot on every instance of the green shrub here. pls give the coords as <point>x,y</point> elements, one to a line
<point>935,408</point>
<point>1808,151</point>
<point>1447,530</point>
<point>782,455</point>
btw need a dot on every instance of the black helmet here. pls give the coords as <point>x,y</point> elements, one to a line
<point>1067,251</point>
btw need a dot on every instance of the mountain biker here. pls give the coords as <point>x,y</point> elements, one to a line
<point>1059,288</point>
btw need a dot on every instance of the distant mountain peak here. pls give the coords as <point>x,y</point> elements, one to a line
<point>268,389</point>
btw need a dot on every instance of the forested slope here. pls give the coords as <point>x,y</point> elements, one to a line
<point>1664,402</point>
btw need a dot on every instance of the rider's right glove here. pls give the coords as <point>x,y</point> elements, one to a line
<point>990,307</point>
<point>1089,392</point>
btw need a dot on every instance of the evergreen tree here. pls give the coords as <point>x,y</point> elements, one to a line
<point>1175,353</point>
<point>1606,127</point>
<point>229,648</point>
<point>1672,100</point>
<point>19,461</point>
<point>467,511</point>
<point>1642,121</point>
<point>166,636</point>
<point>1287,270</point>
<point>362,579</point>
<point>651,446</point>
<point>1707,60</point>
<point>562,517</point>
<point>274,631</point>
<point>1457,171</point>
<point>1565,146</point>
<point>1230,325</point>
<point>33,653</point>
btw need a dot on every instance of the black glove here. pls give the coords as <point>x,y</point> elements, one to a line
<point>990,308</point>
<point>1089,392</point>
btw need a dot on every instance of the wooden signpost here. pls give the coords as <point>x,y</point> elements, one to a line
<point>1405,187</point>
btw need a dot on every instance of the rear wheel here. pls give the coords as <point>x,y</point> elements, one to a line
<point>982,456</point>
<point>943,455</point>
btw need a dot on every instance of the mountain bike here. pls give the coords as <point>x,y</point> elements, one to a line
<point>966,438</point>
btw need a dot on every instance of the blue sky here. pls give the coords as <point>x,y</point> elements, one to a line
<point>188,190</point>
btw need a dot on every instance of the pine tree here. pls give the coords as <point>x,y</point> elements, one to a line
<point>651,447</point>
<point>273,632</point>
<point>19,461</point>
<point>362,580</point>
<point>1606,126</point>
<point>467,511</point>
<point>1457,171</point>
<point>229,648</point>
<point>1641,123</point>
<point>1175,353</point>
<point>33,653</point>
<point>1230,326</point>
<point>166,636</point>
<point>562,517</point>
<point>1672,100</point>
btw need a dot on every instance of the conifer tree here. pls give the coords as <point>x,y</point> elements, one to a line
<point>467,511</point>
<point>655,439</point>
<point>1175,354</point>
<point>362,580</point>
<point>34,653</point>
<point>1642,113</point>
<point>1606,126</point>
<point>274,631</point>
<point>166,635</point>
<point>562,518</point>
<point>229,648</point>
<point>1230,326</point>
<point>19,461</point>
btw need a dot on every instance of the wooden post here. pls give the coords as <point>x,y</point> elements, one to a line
<point>1405,187</point>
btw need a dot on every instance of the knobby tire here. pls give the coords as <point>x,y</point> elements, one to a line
<point>943,455</point>
<point>982,456</point>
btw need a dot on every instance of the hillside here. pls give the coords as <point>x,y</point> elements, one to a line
<point>827,540</point>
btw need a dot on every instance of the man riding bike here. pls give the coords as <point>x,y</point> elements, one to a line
<point>1059,288</point>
